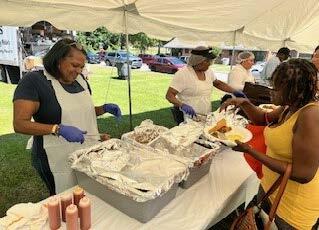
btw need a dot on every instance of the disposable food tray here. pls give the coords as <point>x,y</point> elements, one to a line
<point>141,211</point>
<point>201,165</point>
<point>195,174</point>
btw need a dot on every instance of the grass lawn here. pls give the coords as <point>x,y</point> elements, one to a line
<point>19,182</point>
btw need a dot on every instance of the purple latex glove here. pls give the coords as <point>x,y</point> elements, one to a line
<point>239,93</point>
<point>71,133</point>
<point>188,110</point>
<point>113,109</point>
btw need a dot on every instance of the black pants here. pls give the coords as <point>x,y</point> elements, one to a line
<point>41,164</point>
<point>177,115</point>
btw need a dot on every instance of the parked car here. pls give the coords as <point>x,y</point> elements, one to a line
<point>121,56</point>
<point>166,64</point>
<point>184,58</point>
<point>147,58</point>
<point>93,58</point>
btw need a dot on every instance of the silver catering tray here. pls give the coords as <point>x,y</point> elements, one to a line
<point>141,211</point>
<point>200,168</point>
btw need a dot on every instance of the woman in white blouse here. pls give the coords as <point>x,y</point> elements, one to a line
<point>241,72</point>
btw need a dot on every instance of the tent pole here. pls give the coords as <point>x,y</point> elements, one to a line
<point>233,51</point>
<point>129,71</point>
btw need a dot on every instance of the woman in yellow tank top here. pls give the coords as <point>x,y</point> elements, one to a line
<point>292,135</point>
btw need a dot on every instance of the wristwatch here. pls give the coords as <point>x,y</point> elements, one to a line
<point>55,130</point>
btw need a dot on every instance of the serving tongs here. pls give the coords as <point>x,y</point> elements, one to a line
<point>206,143</point>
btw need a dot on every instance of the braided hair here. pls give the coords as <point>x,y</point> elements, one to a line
<point>296,82</point>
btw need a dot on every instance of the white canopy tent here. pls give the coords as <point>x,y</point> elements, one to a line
<point>267,24</point>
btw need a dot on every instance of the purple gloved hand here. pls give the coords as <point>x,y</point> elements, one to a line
<point>188,110</point>
<point>71,133</point>
<point>239,93</point>
<point>113,109</point>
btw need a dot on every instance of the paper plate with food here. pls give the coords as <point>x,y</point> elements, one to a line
<point>223,133</point>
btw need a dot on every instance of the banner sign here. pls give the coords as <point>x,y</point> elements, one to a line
<point>9,54</point>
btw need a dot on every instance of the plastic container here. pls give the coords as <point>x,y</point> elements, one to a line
<point>141,211</point>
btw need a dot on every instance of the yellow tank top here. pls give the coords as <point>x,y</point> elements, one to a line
<point>299,205</point>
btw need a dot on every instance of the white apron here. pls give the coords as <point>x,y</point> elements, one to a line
<point>201,98</point>
<point>77,110</point>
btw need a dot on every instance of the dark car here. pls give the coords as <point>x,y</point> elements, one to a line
<point>93,58</point>
<point>147,58</point>
<point>166,64</point>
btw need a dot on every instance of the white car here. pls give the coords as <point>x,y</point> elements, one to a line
<point>184,58</point>
<point>121,57</point>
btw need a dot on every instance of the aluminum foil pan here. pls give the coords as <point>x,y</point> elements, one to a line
<point>139,173</point>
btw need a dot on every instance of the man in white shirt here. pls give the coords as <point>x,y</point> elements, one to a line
<point>241,72</point>
<point>282,55</point>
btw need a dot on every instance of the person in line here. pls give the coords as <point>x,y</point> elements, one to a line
<point>60,103</point>
<point>291,136</point>
<point>241,72</point>
<point>315,58</point>
<point>191,87</point>
<point>282,55</point>
<point>315,61</point>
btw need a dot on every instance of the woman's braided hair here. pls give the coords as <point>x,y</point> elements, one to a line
<point>296,80</point>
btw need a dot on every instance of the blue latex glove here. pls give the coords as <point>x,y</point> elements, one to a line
<point>239,93</point>
<point>71,133</point>
<point>188,110</point>
<point>113,109</point>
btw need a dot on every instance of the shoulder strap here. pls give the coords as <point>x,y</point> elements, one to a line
<point>281,190</point>
<point>281,182</point>
<point>87,83</point>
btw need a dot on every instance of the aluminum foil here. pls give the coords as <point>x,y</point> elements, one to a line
<point>231,116</point>
<point>180,141</point>
<point>135,172</point>
<point>144,134</point>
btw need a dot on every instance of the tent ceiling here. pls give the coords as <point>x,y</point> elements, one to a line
<point>218,15</point>
<point>266,24</point>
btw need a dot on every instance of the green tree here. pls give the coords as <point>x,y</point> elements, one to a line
<point>216,50</point>
<point>102,37</point>
<point>142,42</point>
<point>99,37</point>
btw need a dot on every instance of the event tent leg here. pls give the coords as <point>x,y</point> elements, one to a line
<point>128,71</point>
<point>233,51</point>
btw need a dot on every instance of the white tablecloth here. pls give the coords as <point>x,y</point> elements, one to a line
<point>229,183</point>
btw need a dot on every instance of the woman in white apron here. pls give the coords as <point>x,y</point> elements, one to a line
<point>59,101</point>
<point>191,88</point>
